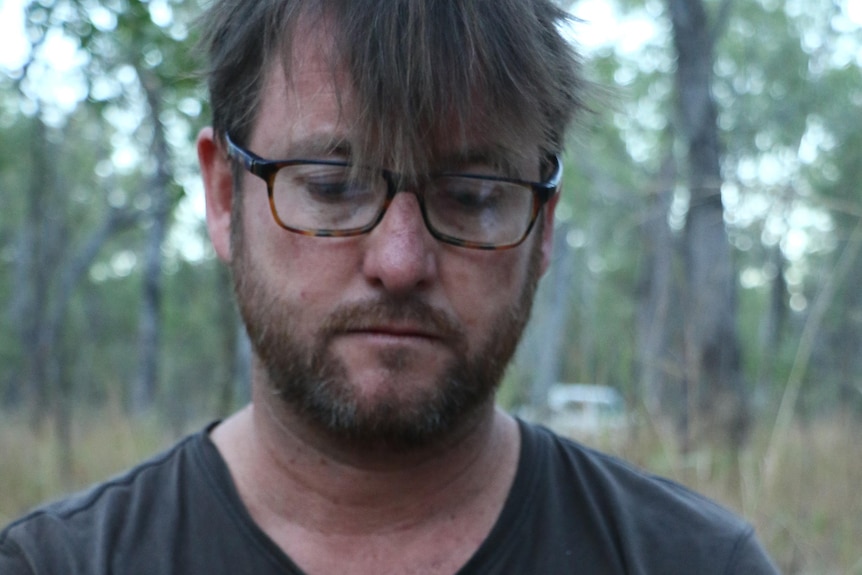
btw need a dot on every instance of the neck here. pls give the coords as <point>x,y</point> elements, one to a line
<point>289,473</point>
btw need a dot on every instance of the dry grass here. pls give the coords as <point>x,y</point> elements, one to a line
<point>808,513</point>
<point>103,444</point>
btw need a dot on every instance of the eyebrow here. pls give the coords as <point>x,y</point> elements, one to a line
<point>319,145</point>
<point>326,145</point>
<point>497,158</point>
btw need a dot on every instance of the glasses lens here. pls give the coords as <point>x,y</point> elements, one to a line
<point>334,197</point>
<point>479,210</point>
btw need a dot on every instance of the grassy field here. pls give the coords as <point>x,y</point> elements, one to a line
<point>807,509</point>
<point>34,466</point>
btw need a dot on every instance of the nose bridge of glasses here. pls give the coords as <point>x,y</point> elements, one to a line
<point>411,186</point>
<point>397,183</point>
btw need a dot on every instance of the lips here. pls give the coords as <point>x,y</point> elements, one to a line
<point>398,319</point>
<point>396,331</point>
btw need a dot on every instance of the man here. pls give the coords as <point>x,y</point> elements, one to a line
<point>381,177</point>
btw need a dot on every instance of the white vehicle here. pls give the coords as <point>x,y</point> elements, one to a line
<point>586,409</point>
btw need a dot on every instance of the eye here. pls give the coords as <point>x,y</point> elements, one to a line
<point>336,191</point>
<point>470,195</point>
<point>327,184</point>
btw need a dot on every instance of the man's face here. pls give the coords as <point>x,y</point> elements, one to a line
<point>390,338</point>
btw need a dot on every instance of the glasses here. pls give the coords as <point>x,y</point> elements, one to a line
<point>330,198</point>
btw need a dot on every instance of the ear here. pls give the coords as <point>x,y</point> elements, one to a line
<point>547,216</point>
<point>218,187</point>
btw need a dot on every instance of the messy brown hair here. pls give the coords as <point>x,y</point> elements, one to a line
<point>417,67</point>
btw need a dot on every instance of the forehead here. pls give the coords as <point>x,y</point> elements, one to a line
<point>309,101</point>
<point>305,91</point>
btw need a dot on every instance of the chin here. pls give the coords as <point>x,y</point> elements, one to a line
<point>389,416</point>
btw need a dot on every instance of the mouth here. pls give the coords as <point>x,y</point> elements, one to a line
<point>395,332</point>
<point>394,323</point>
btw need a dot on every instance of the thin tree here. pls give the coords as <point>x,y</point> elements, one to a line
<point>717,407</point>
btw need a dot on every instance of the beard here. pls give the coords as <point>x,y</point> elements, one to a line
<point>310,381</point>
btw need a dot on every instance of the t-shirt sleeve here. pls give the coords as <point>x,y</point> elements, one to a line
<point>749,557</point>
<point>12,559</point>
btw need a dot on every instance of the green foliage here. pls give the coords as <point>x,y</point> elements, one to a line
<point>135,63</point>
<point>787,81</point>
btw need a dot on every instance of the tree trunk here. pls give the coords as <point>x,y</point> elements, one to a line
<point>227,329</point>
<point>242,365</point>
<point>657,323</point>
<point>717,404</point>
<point>554,317</point>
<point>149,326</point>
<point>36,277</point>
<point>774,323</point>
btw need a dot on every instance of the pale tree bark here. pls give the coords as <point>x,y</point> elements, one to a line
<point>37,256</point>
<point>58,380</point>
<point>230,393</point>
<point>150,322</point>
<point>659,371</point>
<point>553,316</point>
<point>242,365</point>
<point>51,266</point>
<point>774,321</point>
<point>44,253</point>
<point>34,277</point>
<point>717,403</point>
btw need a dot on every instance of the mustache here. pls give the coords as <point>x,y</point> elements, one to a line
<point>387,310</point>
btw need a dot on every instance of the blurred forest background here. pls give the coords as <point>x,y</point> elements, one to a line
<point>709,260</point>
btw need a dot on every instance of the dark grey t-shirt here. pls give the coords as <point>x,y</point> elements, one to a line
<point>571,510</point>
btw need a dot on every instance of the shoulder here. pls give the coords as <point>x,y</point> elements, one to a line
<point>647,518</point>
<point>102,517</point>
<point>610,482</point>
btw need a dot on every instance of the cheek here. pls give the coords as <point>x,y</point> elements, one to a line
<point>309,270</point>
<point>483,285</point>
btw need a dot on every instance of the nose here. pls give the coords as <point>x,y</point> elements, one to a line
<point>400,252</point>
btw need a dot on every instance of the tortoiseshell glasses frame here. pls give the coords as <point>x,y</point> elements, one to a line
<point>467,210</point>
